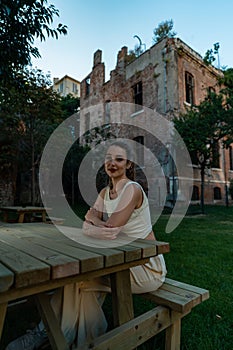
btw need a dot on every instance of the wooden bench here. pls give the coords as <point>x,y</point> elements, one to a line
<point>174,300</point>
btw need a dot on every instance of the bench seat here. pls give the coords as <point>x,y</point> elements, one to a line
<point>174,300</point>
<point>178,296</point>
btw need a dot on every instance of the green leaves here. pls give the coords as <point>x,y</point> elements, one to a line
<point>20,23</point>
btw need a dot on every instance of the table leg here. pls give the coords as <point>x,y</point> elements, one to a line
<point>43,216</point>
<point>21,218</point>
<point>122,297</point>
<point>3,308</point>
<point>55,335</point>
<point>5,216</point>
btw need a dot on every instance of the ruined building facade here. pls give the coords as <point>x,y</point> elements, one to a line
<point>167,78</point>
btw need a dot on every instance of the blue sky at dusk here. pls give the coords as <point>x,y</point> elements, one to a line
<point>109,25</point>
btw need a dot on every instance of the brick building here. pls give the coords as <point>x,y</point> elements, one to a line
<point>167,78</point>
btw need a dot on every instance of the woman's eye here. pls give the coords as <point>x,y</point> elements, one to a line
<point>118,159</point>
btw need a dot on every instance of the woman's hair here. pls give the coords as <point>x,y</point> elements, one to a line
<point>130,173</point>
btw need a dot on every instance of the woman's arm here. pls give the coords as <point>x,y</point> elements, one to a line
<point>95,214</point>
<point>131,199</point>
<point>94,226</point>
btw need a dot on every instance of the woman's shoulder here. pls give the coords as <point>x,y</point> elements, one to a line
<point>133,184</point>
<point>103,192</point>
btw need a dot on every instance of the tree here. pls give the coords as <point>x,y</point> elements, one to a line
<point>209,57</point>
<point>202,128</point>
<point>164,30</point>
<point>69,105</point>
<point>35,113</point>
<point>21,22</point>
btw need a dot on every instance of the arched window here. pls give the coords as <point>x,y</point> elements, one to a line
<point>217,193</point>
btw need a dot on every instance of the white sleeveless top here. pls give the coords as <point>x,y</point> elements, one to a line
<point>139,223</point>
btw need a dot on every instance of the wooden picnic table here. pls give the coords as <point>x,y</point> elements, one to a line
<point>36,258</point>
<point>21,211</point>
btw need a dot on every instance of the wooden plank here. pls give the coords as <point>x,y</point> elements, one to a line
<point>27,270</point>
<point>89,261</point>
<point>3,308</point>
<point>179,296</point>
<point>173,301</point>
<point>121,297</point>
<point>204,293</point>
<point>161,247</point>
<point>133,333</point>
<point>13,293</point>
<point>173,334</point>
<point>147,250</point>
<point>131,253</point>
<point>111,256</point>
<point>55,335</point>
<point>61,265</point>
<point>6,278</point>
<point>190,295</point>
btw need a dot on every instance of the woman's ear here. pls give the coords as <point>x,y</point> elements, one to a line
<point>129,165</point>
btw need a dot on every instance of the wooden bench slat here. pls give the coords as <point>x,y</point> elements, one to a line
<point>179,296</point>
<point>173,301</point>
<point>204,293</point>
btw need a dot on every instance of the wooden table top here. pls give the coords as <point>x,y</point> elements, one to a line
<point>35,257</point>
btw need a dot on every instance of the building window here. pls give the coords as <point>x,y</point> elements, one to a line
<point>215,155</point>
<point>137,96</point>
<point>189,88</point>
<point>61,87</point>
<point>217,193</point>
<point>139,150</point>
<point>231,157</point>
<point>107,112</point>
<point>74,88</point>
<point>195,193</point>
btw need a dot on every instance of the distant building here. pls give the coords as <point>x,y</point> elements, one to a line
<point>66,86</point>
<point>168,78</point>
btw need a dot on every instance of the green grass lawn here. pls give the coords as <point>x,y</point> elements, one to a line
<point>201,253</point>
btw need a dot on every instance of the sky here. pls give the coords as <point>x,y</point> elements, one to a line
<point>109,25</point>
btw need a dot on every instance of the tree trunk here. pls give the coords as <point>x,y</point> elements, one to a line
<point>33,185</point>
<point>202,188</point>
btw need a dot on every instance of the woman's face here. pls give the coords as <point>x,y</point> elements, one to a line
<point>116,162</point>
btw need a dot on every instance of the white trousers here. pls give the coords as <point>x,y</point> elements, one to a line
<point>78,306</point>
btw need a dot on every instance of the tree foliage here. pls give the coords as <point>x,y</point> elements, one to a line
<point>164,30</point>
<point>209,57</point>
<point>21,22</point>
<point>69,105</point>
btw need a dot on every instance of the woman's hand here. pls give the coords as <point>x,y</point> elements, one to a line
<point>102,232</point>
